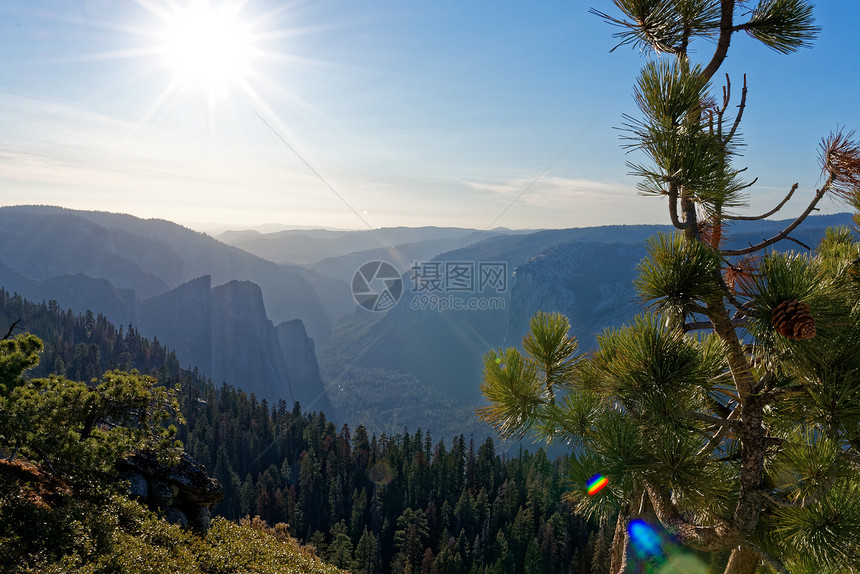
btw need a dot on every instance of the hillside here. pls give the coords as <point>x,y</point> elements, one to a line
<point>115,534</point>
<point>354,495</point>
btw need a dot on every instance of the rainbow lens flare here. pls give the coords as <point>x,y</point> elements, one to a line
<point>596,483</point>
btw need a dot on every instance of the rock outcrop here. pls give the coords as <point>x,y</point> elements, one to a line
<point>302,367</point>
<point>183,492</point>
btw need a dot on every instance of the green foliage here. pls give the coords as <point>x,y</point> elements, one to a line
<point>16,356</point>
<point>119,536</point>
<point>783,25</point>
<point>677,275</point>
<point>514,391</point>
<point>664,25</point>
<point>824,536</point>
<point>80,432</point>
<point>653,370</point>
<point>745,442</point>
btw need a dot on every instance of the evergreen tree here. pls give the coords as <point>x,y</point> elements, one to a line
<point>733,448</point>
<point>366,554</point>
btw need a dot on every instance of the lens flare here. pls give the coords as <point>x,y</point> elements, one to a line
<point>596,483</point>
<point>644,538</point>
<point>380,473</point>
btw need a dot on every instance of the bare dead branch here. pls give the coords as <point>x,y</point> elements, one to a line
<point>11,328</point>
<point>801,243</point>
<point>784,233</point>
<point>718,438</point>
<point>741,108</point>
<point>769,213</point>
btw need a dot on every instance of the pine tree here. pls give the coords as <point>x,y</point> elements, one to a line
<point>726,446</point>
<point>365,554</point>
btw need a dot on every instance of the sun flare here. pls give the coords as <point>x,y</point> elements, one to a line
<point>208,47</point>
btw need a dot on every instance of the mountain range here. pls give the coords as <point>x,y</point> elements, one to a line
<point>273,313</point>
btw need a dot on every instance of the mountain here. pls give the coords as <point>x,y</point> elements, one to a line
<point>245,346</point>
<point>149,256</point>
<point>80,260</point>
<point>75,291</point>
<point>310,246</point>
<point>590,283</point>
<point>182,320</point>
<point>585,273</point>
<point>303,370</point>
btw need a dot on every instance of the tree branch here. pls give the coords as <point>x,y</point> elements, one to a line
<point>699,325</point>
<point>781,502</point>
<point>11,328</point>
<point>765,215</point>
<point>741,108</point>
<point>673,208</point>
<point>727,8</point>
<point>801,243</point>
<point>721,433</point>
<point>708,418</point>
<point>707,538</point>
<point>784,233</point>
<point>774,562</point>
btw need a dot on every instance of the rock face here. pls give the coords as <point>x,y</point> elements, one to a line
<point>590,283</point>
<point>302,367</point>
<point>224,331</point>
<point>148,256</point>
<point>182,320</point>
<point>183,492</point>
<point>245,346</point>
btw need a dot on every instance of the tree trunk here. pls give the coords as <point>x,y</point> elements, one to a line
<point>743,560</point>
<point>620,542</point>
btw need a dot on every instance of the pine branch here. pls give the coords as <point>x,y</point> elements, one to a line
<point>780,501</point>
<point>700,325</point>
<point>851,457</point>
<point>709,418</point>
<point>722,536</point>
<point>673,209</point>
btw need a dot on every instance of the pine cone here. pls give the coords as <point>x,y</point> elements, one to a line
<point>792,319</point>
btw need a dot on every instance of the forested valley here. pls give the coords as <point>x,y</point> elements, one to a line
<point>409,502</point>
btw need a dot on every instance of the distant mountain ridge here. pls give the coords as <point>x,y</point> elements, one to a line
<point>145,273</point>
<point>282,330</point>
<point>312,246</point>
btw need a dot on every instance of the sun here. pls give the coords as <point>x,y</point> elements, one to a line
<point>208,47</point>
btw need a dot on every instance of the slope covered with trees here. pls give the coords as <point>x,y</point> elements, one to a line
<point>372,504</point>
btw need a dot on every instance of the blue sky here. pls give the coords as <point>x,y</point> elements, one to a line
<point>476,114</point>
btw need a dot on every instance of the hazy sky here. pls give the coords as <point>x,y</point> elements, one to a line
<point>477,113</point>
